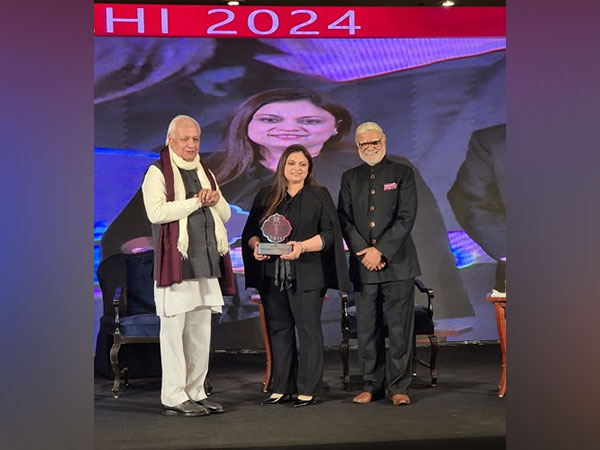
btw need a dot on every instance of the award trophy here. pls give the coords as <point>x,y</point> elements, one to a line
<point>275,229</point>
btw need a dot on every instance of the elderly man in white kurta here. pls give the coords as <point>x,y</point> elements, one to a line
<point>187,216</point>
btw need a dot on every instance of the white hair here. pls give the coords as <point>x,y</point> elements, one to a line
<point>173,125</point>
<point>367,126</point>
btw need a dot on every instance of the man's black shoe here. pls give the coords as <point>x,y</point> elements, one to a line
<point>187,409</point>
<point>213,407</point>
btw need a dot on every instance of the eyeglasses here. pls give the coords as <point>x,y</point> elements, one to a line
<point>365,145</point>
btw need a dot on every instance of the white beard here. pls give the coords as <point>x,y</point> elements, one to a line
<point>372,162</point>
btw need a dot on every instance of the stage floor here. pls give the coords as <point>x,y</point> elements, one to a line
<point>463,411</point>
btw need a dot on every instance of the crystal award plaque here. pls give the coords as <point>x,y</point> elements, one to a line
<point>275,229</point>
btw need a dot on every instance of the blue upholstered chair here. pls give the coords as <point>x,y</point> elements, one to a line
<point>423,326</point>
<point>127,285</point>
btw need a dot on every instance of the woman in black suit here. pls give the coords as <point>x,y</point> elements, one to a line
<point>292,286</point>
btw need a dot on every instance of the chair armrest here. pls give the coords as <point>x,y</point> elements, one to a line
<point>430,295</point>
<point>424,289</point>
<point>117,305</point>
<point>345,319</point>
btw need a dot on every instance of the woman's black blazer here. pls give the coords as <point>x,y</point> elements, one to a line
<point>314,270</point>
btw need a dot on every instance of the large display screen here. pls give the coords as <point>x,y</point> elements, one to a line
<point>430,77</point>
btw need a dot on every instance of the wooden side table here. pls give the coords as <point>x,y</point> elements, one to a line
<point>499,307</point>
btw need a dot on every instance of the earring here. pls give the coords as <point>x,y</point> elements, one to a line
<point>335,132</point>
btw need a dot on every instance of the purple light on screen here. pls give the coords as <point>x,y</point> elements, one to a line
<point>351,59</point>
<point>466,251</point>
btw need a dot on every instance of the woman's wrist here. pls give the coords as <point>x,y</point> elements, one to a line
<point>303,247</point>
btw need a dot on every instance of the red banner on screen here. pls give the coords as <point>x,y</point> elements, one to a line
<point>297,22</point>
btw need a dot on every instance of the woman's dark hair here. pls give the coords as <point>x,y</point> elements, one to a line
<point>279,187</point>
<point>238,151</point>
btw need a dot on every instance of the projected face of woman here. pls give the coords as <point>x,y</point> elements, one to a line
<point>278,125</point>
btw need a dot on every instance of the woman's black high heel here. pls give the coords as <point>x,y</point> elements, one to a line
<point>299,403</point>
<point>276,400</point>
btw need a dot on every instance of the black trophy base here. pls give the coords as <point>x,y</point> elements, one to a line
<point>265,248</point>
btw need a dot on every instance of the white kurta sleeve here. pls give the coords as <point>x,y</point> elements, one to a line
<point>155,200</point>
<point>222,207</point>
